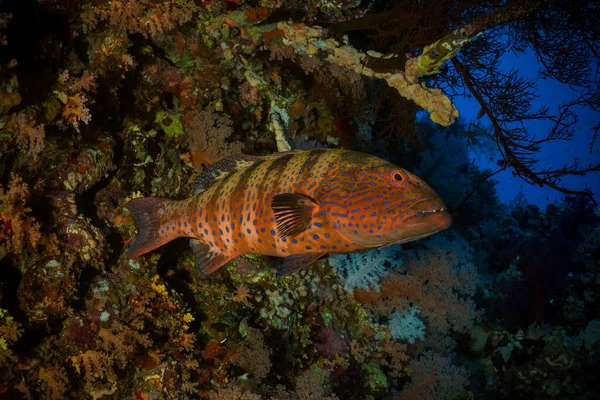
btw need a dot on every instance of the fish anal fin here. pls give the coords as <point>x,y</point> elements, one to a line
<point>293,213</point>
<point>207,258</point>
<point>298,261</point>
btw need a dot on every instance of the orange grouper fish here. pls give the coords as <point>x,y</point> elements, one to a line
<point>303,205</point>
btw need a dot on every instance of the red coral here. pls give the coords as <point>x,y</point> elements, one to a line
<point>139,16</point>
<point>434,377</point>
<point>331,344</point>
<point>441,280</point>
<point>19,232</point>
<point>254,355</point>
<point>30,137</point>
<point>74,94</point>
<point>207,133</point>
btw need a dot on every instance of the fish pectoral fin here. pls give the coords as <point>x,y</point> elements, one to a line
<point>207,258</point>
<point>293,213</point>
<point>298,261</point>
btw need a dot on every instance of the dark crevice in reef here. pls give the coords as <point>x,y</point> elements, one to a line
<point>40,41</point>
<point>41,211</point>
<point>86,205</point>
<point>34,335</point>
<point>7,162</point>
<point>159,52</point>
<point>9,284</point>
<point>179,279</point>
<point>113,238</point>
<point>115,111</point>
<point>83,289</point>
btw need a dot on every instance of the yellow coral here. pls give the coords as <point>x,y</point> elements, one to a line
<point>3,344</point>
<point>134,195</point>
<point>159,288</point>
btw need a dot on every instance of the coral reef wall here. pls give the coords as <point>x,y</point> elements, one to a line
<point>105,101</point>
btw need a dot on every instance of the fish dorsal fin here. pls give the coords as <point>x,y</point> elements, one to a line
<point>208,259</point>
<point>221,169</point>
<point>226,166</point>
<point>293,213</point>
<point>298,261</point>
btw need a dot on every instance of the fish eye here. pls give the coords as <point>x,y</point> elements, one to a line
<point>396,177</point>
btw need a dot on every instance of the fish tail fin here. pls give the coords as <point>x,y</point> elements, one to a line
<point>150,214</point>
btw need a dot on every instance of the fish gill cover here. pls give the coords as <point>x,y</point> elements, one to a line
<point>126,124</point>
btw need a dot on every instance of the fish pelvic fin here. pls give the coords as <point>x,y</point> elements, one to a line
<point>149,215</point>
<point>298,261</point>
<point>209,259</point>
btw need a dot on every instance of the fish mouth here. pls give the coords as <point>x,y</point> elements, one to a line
<point>425,223</point>
<point>426,213</point>
<point>418,226</point>
<point>422,224</point>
